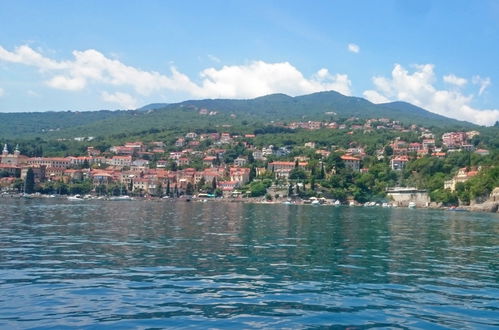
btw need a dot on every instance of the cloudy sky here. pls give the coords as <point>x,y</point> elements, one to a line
<point>60,55</point>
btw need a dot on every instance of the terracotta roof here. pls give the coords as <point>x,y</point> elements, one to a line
<point>348,157</point>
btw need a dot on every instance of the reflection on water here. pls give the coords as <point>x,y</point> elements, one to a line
<point>178,264</point>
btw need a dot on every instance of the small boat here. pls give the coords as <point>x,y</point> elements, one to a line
<point>337,203</point>
<point>315,202</point>
<point>74,198</point>
<point>411,205</point>
<point>120,198</point>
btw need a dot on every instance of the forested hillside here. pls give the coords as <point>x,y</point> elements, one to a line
<point>276,107</point>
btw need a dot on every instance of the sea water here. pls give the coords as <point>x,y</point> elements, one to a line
<point>168,264</point>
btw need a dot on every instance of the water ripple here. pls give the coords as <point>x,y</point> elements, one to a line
<point>214,265</point>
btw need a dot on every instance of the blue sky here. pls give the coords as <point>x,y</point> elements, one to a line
<point>60,55</point>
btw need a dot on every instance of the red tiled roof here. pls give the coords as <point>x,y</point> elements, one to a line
<point>348,157</point>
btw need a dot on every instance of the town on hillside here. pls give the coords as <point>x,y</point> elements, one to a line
<point>231,166</point>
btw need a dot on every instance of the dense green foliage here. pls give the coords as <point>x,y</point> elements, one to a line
<point>476,188</point>
<point>32,124</point>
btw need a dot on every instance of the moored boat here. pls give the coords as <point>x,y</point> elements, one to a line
<point>120,198</point>
<point>75,198</point>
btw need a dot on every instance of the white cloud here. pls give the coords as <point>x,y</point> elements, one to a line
<point>254,79</point>
<point>418,88</point>
<point>375,97</point>
<point>67,83</point>
<point>2,92</point>
<point>455,80</point>
<point>260,78</point>
<point>214,58</point>
<point>125,101</point>
<point>26,55</point>
<point>483,82</point>
<point>353,48</point>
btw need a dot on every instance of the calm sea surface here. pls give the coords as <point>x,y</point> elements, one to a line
<point>143,264</point>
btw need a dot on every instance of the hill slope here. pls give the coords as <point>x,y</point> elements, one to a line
<point>282,107</point>
<point>275,107</point>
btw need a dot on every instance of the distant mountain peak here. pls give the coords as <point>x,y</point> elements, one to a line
<point>152,106</point>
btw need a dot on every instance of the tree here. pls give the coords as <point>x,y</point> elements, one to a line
<point>322,173</point>
<point>463,192</point>
<point>252,173</point>
<point>4,174</point>
<point>116,190</point>
<point>444,196</point>
<point>216,162</point>
<point>18,184</point>
<point>388,151</point>
<point>159,190</point>
<point>189,190</point>
<point>80,188</point>
<point>334,161</point>
<point>290,190</point>
<point>297,174</point>
<point>101,189</point>
<point>258,189</point>
<point>29,185</point>
<point>168,188</point>
<point>201,183</point>
<point>251,158</point>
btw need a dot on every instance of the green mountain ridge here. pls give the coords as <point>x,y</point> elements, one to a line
<point>157,116</point>
<point>285,107</point>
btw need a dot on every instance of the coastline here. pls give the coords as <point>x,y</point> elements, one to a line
<point>486,207</point>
